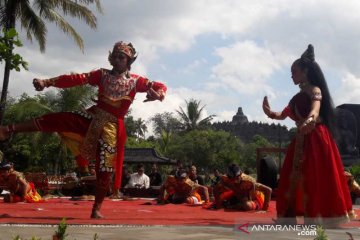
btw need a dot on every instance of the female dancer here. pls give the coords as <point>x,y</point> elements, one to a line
<point>312,181</point>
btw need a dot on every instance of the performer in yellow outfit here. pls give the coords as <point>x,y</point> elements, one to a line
<point>20,190</point>
<point>241,191</point>
<point>180,189</point>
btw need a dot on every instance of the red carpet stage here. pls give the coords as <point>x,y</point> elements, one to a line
<point>134,212</point>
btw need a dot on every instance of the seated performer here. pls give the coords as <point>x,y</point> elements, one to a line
<point>194,176</point>
<point>155,176</point>
<point>14,182</point>
<point>354,187</point>
<point>239,191</point>
<point>217,177</point>
<point>180,189</point>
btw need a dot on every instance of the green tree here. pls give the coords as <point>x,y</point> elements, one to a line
<point>135,128</point>
<point>191,116</point>
<point>32,16</point>
<point>165,126</point>
<point>130,125</point>
<point>248,152</point>
<point>165,141</point>
<point>205,148</point>
<point>133,142</point>
<point>165,122</point>
<point>140,128</point>
<point>8,41</point>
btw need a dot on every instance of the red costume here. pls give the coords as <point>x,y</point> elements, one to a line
<point>180,191</point>
<point>20,190</point>
<point>242,187</point>
<point>97,134</point>
<point>312,181</point>
<point>101,127</point>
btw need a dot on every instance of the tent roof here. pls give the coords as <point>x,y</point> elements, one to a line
<point>145,155</point>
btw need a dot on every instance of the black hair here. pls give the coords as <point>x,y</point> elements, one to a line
<point>180,173</point>
<point>316,77</point>
<point>233,170</point>
<point>6,166</point>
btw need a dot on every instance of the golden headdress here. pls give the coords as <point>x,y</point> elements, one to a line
<point>126,48</point>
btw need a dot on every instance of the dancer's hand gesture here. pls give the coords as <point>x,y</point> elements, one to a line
<point>39,84</point>
<point>152,95</point>
<point>266,106</point>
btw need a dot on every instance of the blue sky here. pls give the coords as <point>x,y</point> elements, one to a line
<point>227,54</point>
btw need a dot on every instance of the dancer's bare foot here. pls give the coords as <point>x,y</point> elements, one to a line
<point>96,214</point>
<point>4,133</point>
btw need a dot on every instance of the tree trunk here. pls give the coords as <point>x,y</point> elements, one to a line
<point>10,23</point>
<point>4,92</point>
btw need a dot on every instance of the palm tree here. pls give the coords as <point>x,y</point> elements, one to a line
<point>191,118</point>
<point>165,140</point>
<point>165,122</point>
<point>141,128</point>
<point>32,16</point>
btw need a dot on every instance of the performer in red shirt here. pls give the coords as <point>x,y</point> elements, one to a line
<point>241,191</point>
<point>99,132</point>
<point>15,182</point>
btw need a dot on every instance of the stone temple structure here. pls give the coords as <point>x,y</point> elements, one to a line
<point>239,117</point>
<point>245,130</point>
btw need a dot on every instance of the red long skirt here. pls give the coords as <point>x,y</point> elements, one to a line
<point>322,191</point>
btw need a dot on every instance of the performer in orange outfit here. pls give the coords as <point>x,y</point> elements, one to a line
<point>180,189</point>
<point>14,182</point>
<point>99,131</point>
<point>241,191</point>
<point>312,181</point>
<point>352,184</point>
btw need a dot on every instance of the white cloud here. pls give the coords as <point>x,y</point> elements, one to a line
<point>224,116</point>
<point>257,42</point>
<point>246,67</point>
<point>349,91</point>
<point>190,68</point>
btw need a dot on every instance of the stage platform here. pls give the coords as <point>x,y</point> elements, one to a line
<point>135,211</point>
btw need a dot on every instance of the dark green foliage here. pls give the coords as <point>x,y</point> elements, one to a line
<point>30,150</point>
<point>8,41</point>
<point>205,148</point>
<point>61,231</point>
<point>191,117</point>
<point>248,153</point>
<point>355,171</point>
<point>165,122</point>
